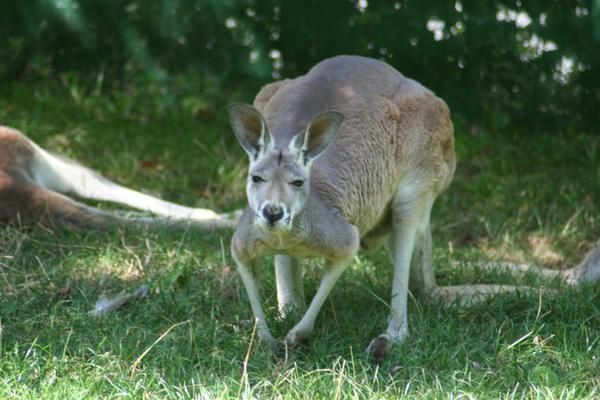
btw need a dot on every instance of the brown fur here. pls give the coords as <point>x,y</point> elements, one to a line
<point>20,199</point>
<point>24,199</point>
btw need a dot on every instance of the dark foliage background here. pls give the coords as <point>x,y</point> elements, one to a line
<point>532,66</point>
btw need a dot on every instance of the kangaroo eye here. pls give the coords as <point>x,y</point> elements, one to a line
<point>257,179</point>
<point>298,183</point>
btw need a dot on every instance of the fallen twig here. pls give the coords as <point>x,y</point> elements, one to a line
<point>104,305</point>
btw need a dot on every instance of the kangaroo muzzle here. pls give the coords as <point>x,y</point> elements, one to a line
<point>272,213</point>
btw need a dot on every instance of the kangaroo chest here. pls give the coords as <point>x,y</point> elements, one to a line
<point>287,244</point>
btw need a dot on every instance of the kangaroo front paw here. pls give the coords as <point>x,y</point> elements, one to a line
<point>271,345</point>
<point>297,339</point>
<point>379,347</point>
<point>275,348</point>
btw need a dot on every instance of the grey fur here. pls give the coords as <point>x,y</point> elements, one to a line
<point>373,181</point>
<point>393,155</point>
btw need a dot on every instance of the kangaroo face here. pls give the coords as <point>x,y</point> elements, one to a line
<point>278,179</point>
<point>277,189</point>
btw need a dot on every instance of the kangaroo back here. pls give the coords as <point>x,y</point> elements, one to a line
<point>394,130</point>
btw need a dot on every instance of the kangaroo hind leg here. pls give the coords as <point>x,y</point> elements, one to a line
<point>32,204</point>
<point>66,176</point>
<point>410,220</point>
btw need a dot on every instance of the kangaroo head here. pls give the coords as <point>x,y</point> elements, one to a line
<point>278,178</point>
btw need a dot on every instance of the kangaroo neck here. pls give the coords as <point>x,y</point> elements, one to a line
<point>319,209</point>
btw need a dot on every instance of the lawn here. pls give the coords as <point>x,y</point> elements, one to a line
<point>520,197</point>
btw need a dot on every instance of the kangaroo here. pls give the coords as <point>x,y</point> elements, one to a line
<point>32,180</point>
<point>351,155</point>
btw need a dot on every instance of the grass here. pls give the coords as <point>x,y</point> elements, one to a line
<point>530,198</point>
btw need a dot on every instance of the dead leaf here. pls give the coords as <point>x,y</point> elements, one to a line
<point>151,164</point>
<point>65,292</point>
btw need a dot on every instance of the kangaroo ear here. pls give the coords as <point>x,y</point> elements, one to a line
<point>249,128</point>
<point>318,135</point>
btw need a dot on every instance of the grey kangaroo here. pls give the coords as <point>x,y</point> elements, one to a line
<point>349,156</point>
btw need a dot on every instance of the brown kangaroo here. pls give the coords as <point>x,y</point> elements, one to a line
<point>32,180</point>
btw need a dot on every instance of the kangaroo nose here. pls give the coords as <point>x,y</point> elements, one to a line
<point>272,213</point>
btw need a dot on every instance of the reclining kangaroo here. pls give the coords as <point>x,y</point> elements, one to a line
<point>31,179</point>
<point>350,155</point>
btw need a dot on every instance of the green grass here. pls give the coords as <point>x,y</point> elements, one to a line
<point>525,198</point>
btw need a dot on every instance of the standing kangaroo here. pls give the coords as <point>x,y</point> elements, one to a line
<point>350,155</point>
<point>32,180</point>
